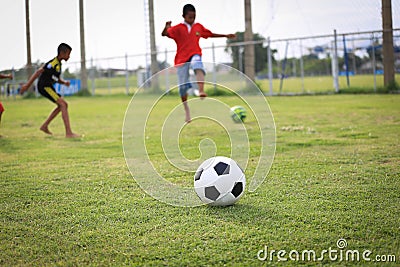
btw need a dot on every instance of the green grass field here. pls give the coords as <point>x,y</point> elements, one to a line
<point>292,85</point>
<point>74,203</point>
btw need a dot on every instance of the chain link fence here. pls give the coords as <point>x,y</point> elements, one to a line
<point>308,65</point>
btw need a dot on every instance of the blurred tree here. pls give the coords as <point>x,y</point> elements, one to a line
<point>237,52</point>
<point>68,75</point>
<point>376,48</point>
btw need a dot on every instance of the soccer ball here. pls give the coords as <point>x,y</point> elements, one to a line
<point>238,113</point>
<point>219,181</point>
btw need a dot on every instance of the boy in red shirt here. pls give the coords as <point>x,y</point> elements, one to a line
<point>188,55</point>
<point>4,76</point>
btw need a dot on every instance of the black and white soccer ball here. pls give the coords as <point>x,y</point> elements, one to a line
<point>219,181</point>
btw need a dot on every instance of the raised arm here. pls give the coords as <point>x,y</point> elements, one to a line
<point>29,83</point>
<point>165,30</point>
<point>6,76</point>
<point>229,36</point>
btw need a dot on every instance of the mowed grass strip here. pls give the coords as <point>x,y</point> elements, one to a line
<point>362,83</point>
<point>74,202</point>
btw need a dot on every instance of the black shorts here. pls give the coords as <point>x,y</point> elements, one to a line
<point>49,92</point>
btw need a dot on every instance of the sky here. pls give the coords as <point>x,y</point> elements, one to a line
<point>117,28</point>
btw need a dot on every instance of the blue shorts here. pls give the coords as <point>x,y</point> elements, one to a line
<point>194,63</point>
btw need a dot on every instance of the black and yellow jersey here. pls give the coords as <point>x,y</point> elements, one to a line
<point>51,73</point>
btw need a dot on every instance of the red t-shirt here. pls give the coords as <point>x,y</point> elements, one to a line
<point>187,42</point>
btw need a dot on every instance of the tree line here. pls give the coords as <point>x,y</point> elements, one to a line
<point>318,60</point>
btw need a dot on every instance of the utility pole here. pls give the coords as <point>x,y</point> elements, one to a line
<point>249,58</point>
<point>387,48</point>
<point>84,76</point>
<point>153,49</point>
<point>28,41</point>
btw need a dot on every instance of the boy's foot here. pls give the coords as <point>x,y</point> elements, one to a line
<point>202,95</point>
<point>187,120</point>
<point>46,130</point>
<point>72,135</point>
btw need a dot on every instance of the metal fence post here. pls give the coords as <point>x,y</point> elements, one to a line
<point>373,61</point>
<point>166,73</point>
<point>270,76</point>
<point>301,66</point>
<point>335,66</point>
<point>126,75</point>
<point>109,78</point>
<point>346,60</point>
<point>92,76</point>
<point>214,69</point>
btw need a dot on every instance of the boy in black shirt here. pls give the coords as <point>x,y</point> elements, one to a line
<point>50,74</point>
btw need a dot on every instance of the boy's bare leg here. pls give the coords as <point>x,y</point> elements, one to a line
<point>200,82</point>
<point>186,107</point>
<point>45,125</point>
<point>63,105</point>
